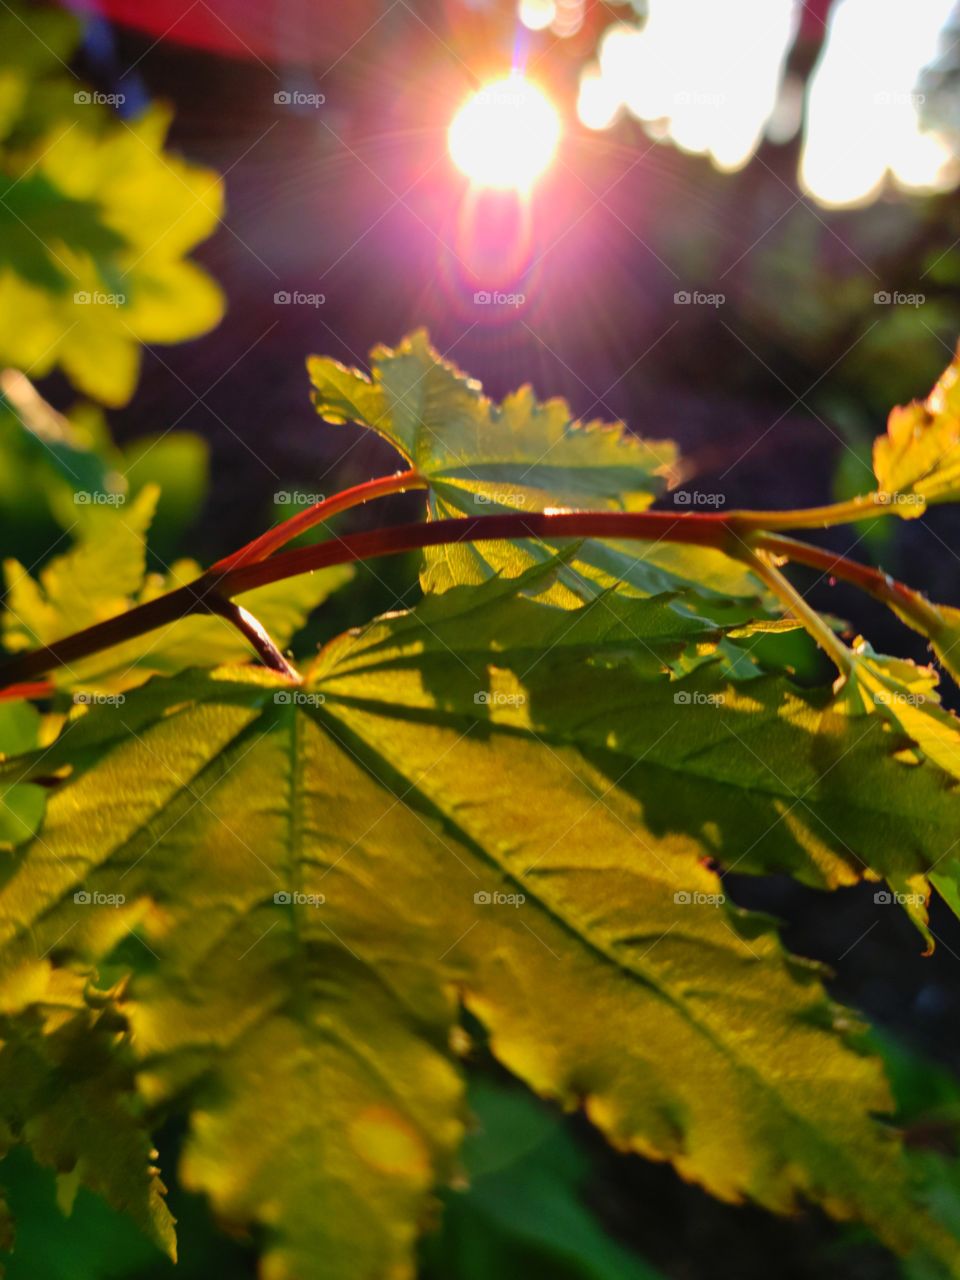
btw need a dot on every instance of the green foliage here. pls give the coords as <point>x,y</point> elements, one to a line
<point>919,457</point>
<point>274,904</point>
<point>52,465</point>
<point>21,806</point>
<point>106,572</point>
<point>928,1112</point>
<point>314,1001</point>
<point>522,1212</point>
<point>67,1084</point>
<point>480,458</point>
<point>95,220</point>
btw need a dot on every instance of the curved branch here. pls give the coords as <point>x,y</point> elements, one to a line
<point>726,533</point>
<point>267,543</point>
<point>867,507</point>
<point>915,608</point>
<point>648,526</point>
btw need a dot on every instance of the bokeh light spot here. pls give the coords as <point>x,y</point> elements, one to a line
<point>537,15</point>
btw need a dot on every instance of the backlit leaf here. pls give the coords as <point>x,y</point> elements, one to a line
<point>521,455</point>
<point>106,573</point>
<point>95,220</point>
<point>502,805</point>
<point>67,1092</point>
<point>21,805</point>
<point>917,462</point>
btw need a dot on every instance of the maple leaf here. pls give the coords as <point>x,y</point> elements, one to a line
<point>481,458</point>
<point>503,805</point>
<point>105,573</point>
<point>96,218</point>
<point>917,462</point>
<point>67,1092</point>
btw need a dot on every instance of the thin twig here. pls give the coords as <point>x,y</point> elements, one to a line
<point>253,631</point>
<point>831,644</point>
<point>911,605</point>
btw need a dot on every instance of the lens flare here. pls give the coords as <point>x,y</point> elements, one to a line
<point>505,135</point>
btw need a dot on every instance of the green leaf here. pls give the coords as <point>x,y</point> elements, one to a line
<point>482,458</point>
<point>50,462</point>
<point>502,804</point>
<point>43,450</point>
<point>87,584</point>
<point>44,461</point>
<point>21,806</point>
<point>39,46</point>
<point>942,629</point>
<point>917,462</point>
<point>905,695</point>
<point>763,774</point>
<point>95,220</point>
<point>179,463</point>
<point>928,1111</point>
<point>67,1092</point>
<point>34,213</point>
<point>105,574</point>
<point>523,1212</point>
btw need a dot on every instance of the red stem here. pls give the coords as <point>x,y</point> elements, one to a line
<point>37,689</point>
<point>255,633</point>
<point>873,581</point>
<point>267,543</point>
<point>648,526</point>
<point>240,573</point>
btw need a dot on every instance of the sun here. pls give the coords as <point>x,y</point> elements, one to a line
<point>505,135</point>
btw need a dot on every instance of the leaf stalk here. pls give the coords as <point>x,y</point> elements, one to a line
<point>737,534</point>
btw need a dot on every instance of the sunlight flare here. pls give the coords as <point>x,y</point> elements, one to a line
<point>505,135</point>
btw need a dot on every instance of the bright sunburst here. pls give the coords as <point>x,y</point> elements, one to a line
<point>505,135</point>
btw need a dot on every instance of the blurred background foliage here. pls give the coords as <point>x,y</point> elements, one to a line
<point>773,396</point>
